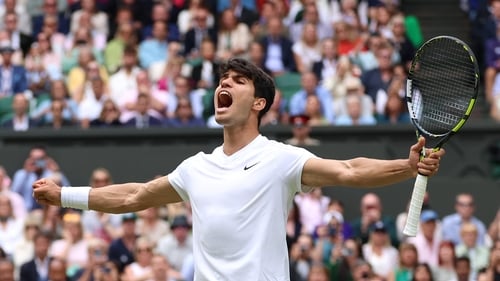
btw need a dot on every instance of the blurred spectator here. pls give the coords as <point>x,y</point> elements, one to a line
<point>109,116</point>
<point>307,49</point>
<point>162,270</point>
<point>362,271</point>
<point>96,267</point>
<point>277,114</point>
<point>365,57</point>
<point>97,224</point>
<point>469,247</point>
<point>350,86</point>
<point>371,212</point>
<point>348,38</point>
<point>268,10</point>
<point>326,67</point>
<point>205,75</point>
<point>394,109</point>
<point>379,78</point>
<point>37,268</point>
<point>336,208</point>
<point>318,272</point>
<point>310,16</point>
<point>183,90</point>
<point>19,9</point>
<point>160,13</point>
<point>162,74</point>
<point>314,111</point>
<point>122,249</point>
<point>150,225</point>
<point>20,120</point>
<point>143,119</point>
<point>278,56</point>
<point>44,114</point>
<point>343,267</point>
<point>300,256</point>
<point>301,131</point>
<point>428,238</point>
<point>493,228</point>
<point>80,41</point>
<point>378,251</point>
<point>24,249</point>
<point>56,39</point>
<point>17,202</point>
<point>124,43</point>
<point>464,212</point>
<point>19,39</point>
<point>380,21</point>
<point>98,18</point>
<point>233,37</point>
<point>7,270</point>
<point>125,79</point>
<point>293,224</point>
<point>313,207</point>
<point>91,107</point>
<point>57,270</point>
<point>80,78</point>
<point>13,78</point>
<point>49,9</point>
<point>494,262</point>
<point>422,272</point>
<point>200,30</point>
<point>37,76</point>
<point>352,12</point>
<point>354,113</point>
<point>154,49</point>
<point>177,245</point>
<point>122,16</point>
<point>158,98</point>
<point>310,86</point>
<point>408,262</point>
<point>400,40</point>
<point>99,39</point>
<point>184,115</point>
<point>38,165</point>
<point>72,247</point>
<point>57,108</point>
<point>246,14</point>
<point>11,228</point>
<point>141,268</point>
<point>463,269</point>
<point>445,269</point>
<point>256,56</point>
<point>187,17</point>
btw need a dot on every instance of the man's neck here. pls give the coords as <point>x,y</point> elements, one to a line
<point>237,138</point>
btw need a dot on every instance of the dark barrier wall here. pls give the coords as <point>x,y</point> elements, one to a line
<point>135,155</point>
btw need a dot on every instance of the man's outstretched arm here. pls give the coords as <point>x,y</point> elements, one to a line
<point>116,198</point>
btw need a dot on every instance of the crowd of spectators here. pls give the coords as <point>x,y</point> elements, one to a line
<point>130,63</point>
<point>145,63</point>
<point>40,242</point>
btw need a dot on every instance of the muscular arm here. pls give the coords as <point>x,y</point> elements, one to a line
<point>116,198</point>
<point>131,197</point>
<point>357,172</point>
<point>367,172</point>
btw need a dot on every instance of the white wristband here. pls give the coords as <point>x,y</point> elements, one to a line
<point>75,197</point>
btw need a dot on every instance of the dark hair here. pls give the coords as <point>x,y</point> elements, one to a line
<point>263,83</point>
<point>426,267</point>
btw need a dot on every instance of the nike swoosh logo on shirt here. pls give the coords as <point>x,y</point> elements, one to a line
<point>248,167</point>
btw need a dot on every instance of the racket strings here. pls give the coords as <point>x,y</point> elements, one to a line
<point>444,81</point>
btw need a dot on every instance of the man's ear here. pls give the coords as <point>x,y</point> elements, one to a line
<point>259,103</point>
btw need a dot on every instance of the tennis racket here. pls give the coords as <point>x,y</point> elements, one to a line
<point>441,91</point>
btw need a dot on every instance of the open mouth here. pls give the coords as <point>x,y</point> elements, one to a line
<point>224,100</point>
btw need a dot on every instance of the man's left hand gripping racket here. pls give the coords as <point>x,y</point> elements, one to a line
<point>441,91</point>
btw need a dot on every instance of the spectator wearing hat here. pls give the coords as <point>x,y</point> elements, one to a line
<point>428,238</point>
<point>122,249</point>
<point>13,79</point>
<point>378,251</point>
<point>301,132</point>
<point>24,249</point>
<point>178,244</point>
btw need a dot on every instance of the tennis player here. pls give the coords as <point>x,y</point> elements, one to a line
<point>241,193</point>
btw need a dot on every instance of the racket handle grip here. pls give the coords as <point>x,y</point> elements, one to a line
<point>417,199</point>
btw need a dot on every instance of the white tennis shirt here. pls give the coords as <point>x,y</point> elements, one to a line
<point>240,205</point>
